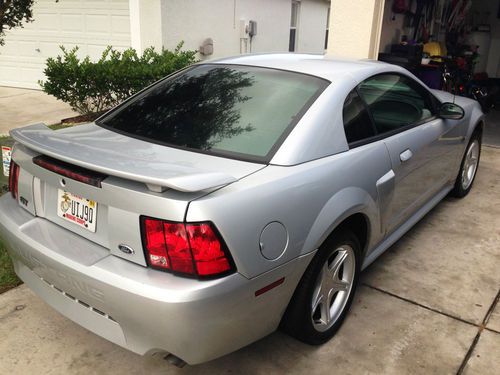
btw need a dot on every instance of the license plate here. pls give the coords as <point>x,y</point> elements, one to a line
<point>78,210</point>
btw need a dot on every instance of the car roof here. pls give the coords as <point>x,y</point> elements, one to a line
<point>323,66</point>
<point>320,131</point>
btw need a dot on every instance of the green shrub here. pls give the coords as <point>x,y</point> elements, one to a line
<point>92,87</point>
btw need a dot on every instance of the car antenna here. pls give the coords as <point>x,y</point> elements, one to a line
<point>454,90</point>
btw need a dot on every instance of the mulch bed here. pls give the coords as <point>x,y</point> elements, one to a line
<point>81,118</point>
<point>4,289</point>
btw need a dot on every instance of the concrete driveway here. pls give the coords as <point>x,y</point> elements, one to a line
<point>20,107</point>
<point>429,305</point>
<point>492,129</point>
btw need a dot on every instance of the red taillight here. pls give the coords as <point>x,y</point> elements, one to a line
<point>192,249</point>
<point>178,248</point>
<point>71,171</point>
<point>209,257</point>
<point>13,178</point>
<point>155,244</point>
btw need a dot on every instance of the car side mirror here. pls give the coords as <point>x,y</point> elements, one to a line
<point>451,111</point>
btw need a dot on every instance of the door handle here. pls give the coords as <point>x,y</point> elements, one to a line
<point>405,155</point>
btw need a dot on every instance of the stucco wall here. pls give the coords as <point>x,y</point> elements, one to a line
<point>195,20</point>
<point>273,23</point>
<point>312,26</point>
<point>355,28</point>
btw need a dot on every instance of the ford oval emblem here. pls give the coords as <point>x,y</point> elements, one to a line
<point>126,249</point>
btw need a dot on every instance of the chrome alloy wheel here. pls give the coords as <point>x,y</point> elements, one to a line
<point>333,287</point>
<point>470,164</point>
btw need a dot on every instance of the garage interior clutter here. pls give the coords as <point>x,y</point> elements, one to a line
<point>452,45</point>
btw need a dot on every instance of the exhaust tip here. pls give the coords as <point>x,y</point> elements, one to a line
<point>174,360</point>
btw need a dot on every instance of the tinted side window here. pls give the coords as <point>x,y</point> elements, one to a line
<point>357,122</point>
<point>395,101</point>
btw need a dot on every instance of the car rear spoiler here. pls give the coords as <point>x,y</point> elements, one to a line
<point>158,176</point>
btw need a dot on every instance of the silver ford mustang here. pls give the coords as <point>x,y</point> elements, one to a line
<point>232,198</point>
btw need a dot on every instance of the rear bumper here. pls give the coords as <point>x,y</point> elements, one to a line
<point>138,308</point>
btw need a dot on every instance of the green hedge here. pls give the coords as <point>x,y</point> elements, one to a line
<point>92,87</point>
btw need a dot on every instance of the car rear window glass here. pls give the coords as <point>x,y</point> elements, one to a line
<point>228,110</point>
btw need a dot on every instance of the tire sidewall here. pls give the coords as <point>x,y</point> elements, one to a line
<point>458,190</point>
<point>300,323</point>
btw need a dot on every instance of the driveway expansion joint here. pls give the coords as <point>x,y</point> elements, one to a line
<point>469,353</point>
<point>491,309</point>
<point>481,327</point>
<point>423,306</point>
<point>492,330</point>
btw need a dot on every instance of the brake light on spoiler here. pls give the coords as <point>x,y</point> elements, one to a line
<point>74,172</point>
<point>194,249</point>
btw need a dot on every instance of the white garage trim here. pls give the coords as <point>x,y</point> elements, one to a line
<point>146,24</point>
<point>91,25</point>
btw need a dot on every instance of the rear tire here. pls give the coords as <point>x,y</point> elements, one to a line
<point>326,290</point>
<point>468,167</point>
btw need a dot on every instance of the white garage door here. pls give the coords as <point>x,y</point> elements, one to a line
<point>91,25</point>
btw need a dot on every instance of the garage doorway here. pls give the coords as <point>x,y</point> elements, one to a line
<point>451,45</point>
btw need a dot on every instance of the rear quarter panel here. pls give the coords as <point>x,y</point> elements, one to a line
<point>309,199</point>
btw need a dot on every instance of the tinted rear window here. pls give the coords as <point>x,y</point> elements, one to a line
<point>228,110</point>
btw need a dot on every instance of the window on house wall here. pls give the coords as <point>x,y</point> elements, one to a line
<point>294,22</point>
<point>327,27</point>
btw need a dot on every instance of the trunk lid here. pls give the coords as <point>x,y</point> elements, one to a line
<point>142,179</point>
<point>108,152</point>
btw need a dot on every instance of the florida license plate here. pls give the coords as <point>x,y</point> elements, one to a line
<point>78,210</point>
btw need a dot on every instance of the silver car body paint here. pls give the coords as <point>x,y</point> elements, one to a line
<point>311,185</point>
